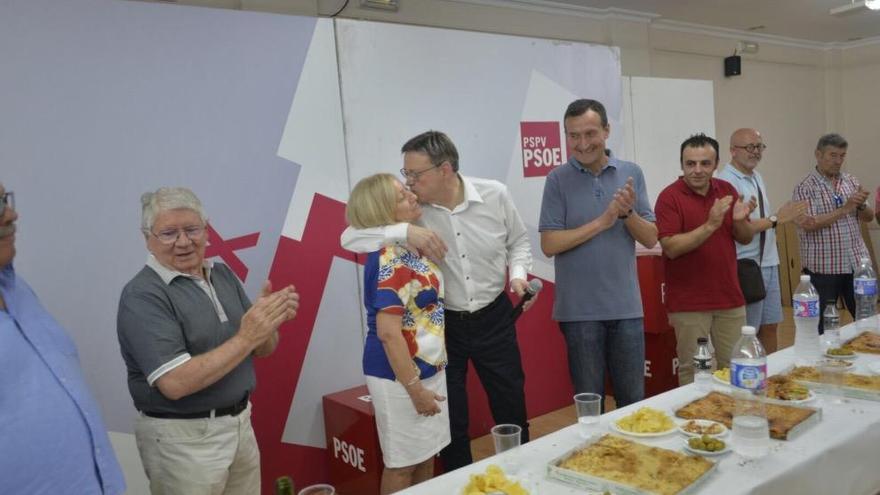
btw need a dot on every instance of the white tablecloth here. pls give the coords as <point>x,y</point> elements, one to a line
<point>839,455</point>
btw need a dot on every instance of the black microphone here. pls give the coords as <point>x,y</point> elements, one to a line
<point>535,286</point>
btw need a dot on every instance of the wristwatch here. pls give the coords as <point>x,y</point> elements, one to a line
<point>624,217</point>
<point>861,207</point>
<point>773,220</point>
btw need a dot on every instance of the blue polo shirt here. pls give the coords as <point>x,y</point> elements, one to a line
<point>52,437</point>
<point>597,280</point>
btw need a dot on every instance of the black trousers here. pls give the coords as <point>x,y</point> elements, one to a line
<point>487,338</point>
<point>830,287</point>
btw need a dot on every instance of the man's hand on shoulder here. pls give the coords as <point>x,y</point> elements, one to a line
<point>426,242</point>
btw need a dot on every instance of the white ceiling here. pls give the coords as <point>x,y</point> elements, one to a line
<point>800,19</point>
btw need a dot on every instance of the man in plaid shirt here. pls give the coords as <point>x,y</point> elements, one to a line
<point>830,238</point>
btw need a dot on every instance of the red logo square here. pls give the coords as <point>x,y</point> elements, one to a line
<point>541,148</point>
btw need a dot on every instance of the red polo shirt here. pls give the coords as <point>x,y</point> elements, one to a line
<point>704,279</point>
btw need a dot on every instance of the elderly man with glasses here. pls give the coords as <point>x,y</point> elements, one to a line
<point>746,150</point>
<point>188,335</point>
<point>486,237</point>
<point>53,438</point>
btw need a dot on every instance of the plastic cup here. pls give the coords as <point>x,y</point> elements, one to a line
<point>588,408</point>
<point>321,489</point>
<point>831,376</point>
<point>507,438</point>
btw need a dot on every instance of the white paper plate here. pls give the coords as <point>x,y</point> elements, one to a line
<point>706,453</point>
<point>846,364</point>
<point>618,429</point>
<point>704,423</point>
<point>810,396</point>
<point>719,380</point>
<point>833,356</point>
<point>523,481</point>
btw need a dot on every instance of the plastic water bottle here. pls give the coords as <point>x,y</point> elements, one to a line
<point>865,288</point>
<point>284,486</point>
<point>805,303</point>
<point>748,376</point>
<point>703,365</point>
<point>831,322</point>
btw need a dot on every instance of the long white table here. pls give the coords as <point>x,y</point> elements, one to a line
<point>839,455</point>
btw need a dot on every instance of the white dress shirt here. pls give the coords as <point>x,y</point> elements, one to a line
<point>484,234</point>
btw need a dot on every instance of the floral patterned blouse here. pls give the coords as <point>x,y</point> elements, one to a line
<point>400,282</point>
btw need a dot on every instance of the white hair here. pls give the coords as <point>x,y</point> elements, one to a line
<point>168,198</point>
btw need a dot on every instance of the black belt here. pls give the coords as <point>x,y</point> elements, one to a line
<point>474,315</point>
<point>234,410</point>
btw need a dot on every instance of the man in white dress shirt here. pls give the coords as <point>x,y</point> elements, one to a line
<point>474,223</point>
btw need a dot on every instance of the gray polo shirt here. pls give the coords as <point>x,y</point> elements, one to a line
<point>167,317</point>
<point>596,280</point>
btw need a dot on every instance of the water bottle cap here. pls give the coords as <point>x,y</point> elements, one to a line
<point>702,340</point>
<point>747,330</point>
<point>805,278</point>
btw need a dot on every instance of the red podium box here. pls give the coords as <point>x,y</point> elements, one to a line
<point>661,361</point>
<point>652,284</point>
<point>353,453</point>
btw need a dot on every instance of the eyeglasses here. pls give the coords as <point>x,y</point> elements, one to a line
<point>193,233</point>
<point>414,175</point>
<point>751,148</point>
<point>6,199</point>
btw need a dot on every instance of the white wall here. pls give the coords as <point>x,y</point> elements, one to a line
<point>792,91</point>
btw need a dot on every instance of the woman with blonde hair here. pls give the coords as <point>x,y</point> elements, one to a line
<point>404,352</point>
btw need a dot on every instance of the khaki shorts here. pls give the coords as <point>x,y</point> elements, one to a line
<point>724,326</point>
<point>210,456</point>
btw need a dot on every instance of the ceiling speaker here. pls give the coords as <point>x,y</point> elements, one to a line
<point>732,66</point>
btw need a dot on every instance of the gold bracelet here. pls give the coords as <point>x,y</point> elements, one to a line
<point>415,378</point>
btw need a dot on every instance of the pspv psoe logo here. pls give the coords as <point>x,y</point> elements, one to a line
<point>541,148</point>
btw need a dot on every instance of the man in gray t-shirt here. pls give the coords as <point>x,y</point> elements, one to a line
<point>188,334</point>
<point>594,209</point>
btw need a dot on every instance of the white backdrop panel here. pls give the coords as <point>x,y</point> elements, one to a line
<point>398,81</point>
<point>665,112</point>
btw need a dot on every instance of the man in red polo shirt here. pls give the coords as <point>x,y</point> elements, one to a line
<point>698,219</point>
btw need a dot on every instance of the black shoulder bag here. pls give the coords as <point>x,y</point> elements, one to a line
<point>751,281</point>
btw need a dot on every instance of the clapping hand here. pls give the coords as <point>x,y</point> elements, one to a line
<point>719,208</point>
<point>626,197</point>
<point>268,313</point>
<point>857,199</point>
<point>741,209</point>
<point>792,211</point>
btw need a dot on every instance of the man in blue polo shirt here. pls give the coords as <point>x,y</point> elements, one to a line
<point>594,209</point>
<point>52,438</point>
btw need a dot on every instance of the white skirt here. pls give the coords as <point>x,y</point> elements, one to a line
<point>406,437</point>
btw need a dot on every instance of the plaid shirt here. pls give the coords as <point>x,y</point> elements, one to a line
<point>837,248</point>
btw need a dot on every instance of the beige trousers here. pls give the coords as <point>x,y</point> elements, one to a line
<point>212,456</point>
<point>724,326</point>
